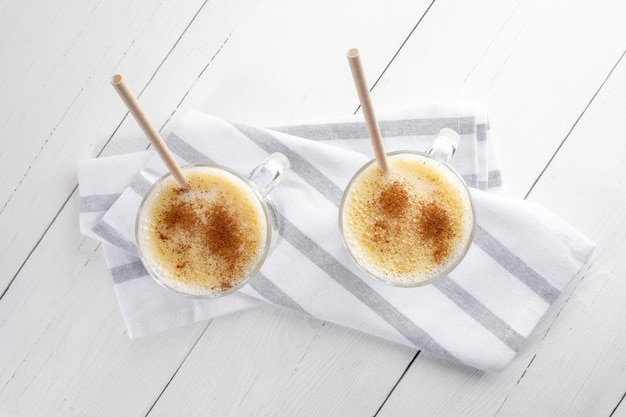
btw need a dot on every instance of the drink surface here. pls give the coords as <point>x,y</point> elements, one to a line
<point>409,226</point>
<point>207,239</point>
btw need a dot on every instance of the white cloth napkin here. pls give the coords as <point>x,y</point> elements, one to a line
<point>521,259</point>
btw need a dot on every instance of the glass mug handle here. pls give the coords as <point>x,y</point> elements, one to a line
<point>270,172</point>
<point>444,145</point>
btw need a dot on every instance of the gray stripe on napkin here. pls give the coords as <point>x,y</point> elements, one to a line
<point>272,293</point>
<point>471,180</point>
<point>480,313</point>
<point>127,272</point>
<point>481,132</point>
<point>348,280</point>
<point>514,265</point>
<point>260,283</point>
<point>94,203</point>
<point>301,166</point>
<point>388,128</point>
<point>351,282</point>
<point>140,185</point>
<point>186,151</point>
<point>108,233</point>
<point>494,178</point>
<point>314,177</point>
<point>314,252</point>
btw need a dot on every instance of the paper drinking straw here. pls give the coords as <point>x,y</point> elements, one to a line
<point>368,110</point>
<point>148,128</point>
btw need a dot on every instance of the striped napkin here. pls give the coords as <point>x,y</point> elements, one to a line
<point>521,259</point>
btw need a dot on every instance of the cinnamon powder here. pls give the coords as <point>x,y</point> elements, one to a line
<point>436,227</point>
<point>432,221</point>
<point>222,236</point>
<point>394,200</point>
<point>214,228</point>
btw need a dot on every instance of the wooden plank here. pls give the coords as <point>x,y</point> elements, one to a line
<point>620,410</point>
<point>300,74</point>
<point>63,344</point>
<point>57,105</point>
<point>444,389</point>
<point>90,387</point>
<point>215,67</point>
<point>277,362</point>
<point>584,353</point>
<point>533,64</point>
<point>434,386</point>
<point>218,75</point>
<point>103,379</point>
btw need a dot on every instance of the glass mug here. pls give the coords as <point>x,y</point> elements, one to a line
<point>413,225</point>
<point>212,239</point>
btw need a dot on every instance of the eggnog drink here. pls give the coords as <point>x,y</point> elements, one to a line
<point>408,227</point>
<point>205,240</point>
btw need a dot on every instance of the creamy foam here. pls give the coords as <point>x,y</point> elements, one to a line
<point>409,226</point>
<point>204,240</point>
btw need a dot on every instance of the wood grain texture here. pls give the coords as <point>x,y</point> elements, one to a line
<point>564,382</point>
<point>296,366</point>
<point>68,395</point>
<point>64,347</point>
<point>587,325</point>
<point>550,73</point>
<point>620,410</point>
<point>52,111</point>
<point>532,64</point>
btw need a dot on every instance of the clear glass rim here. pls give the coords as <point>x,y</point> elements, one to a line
<point>164,282</point>
<point>409,284</point>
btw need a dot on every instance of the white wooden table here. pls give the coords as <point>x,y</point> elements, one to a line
<point>551,73</point>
